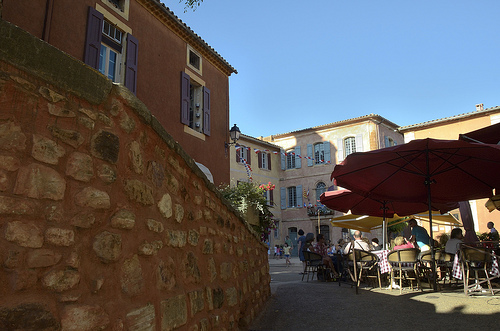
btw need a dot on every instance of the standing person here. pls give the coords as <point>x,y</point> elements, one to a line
<point>419,235</point>
<point>286,250</point>
<point>289,241</point>
<point>300,243</point>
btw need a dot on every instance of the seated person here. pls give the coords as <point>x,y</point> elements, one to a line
<point>359,243</point>
<point>453,244</point>
<point>322,250</point>
<point>376,245</point>
<point>400,242</point>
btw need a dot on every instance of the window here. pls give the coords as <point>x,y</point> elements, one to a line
<point>290,159</point>
<point>195,103</point>
<point>194,60</point>
<point>292,196</point>
<point>319,153</point>
<point>264,160</point>
<point>269,197</point>
<point>111,50</point>
<point>389,142</point>
<point>243,153</point>
<point>320,189</point>
<point>349,145</point>
<point>277,231</point>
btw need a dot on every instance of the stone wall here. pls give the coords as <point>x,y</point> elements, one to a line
<point>105,222</point>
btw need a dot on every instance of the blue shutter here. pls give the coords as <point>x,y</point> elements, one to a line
<point>185,100</point>
<point>359,143</point>
<point>93,38</point>
<point>299,195</point>
<point>340,150</point>
<point>298,164</point>
<point>326,148</point>
<point>283,159</point>
<point>206,111</point>
<point>283,197</point>
<point>131,65</point>
<point>386,141</point>
<point>309,155</point>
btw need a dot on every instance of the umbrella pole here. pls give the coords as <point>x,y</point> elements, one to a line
<point>433,261</point>
<point>384,227</point>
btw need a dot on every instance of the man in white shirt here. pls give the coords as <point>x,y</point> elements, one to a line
<point>359,243</point>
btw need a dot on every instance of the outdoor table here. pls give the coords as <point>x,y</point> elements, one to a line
<point>383,263</point>
<point>457,267</point>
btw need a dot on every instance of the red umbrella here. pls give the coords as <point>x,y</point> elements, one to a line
<point>427,170</point>
<point>346,200</point>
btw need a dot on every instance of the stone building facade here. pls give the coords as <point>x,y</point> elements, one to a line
<point>106,222</point>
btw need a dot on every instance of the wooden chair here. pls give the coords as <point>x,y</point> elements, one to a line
<point>404,266</point>
<point>479,262</point>
<point>425,267</point>
<point>314,264</point>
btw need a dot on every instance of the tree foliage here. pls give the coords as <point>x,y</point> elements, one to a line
<point>191,4</point>
<point>246,196</point>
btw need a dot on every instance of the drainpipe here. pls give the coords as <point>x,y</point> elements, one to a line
<point>48,20</point>
<point>1,6</point>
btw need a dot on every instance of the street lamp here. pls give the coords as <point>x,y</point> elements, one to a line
<point>234,133</point>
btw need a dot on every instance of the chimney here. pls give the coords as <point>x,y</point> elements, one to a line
<point>480,106</point>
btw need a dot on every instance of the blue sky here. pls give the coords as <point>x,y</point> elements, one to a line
<point>306,63</point>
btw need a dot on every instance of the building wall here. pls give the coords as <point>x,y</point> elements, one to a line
<point>162,55</point>
<point>450,129</point>
<point>106,222</point>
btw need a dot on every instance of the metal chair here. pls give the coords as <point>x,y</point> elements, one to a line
<point>478,261</point>
<point>404,266</point>
<point>314,263</point>
<point>367,263</point>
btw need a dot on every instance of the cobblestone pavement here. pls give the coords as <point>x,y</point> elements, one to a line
<point>313,305</point>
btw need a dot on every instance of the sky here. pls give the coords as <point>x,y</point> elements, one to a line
<point>307,63</point>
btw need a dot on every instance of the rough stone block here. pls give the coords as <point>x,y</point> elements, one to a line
<point>218,297</point>
<point>41,258</point>
<point>139,191</point>
<point>70,137</point>
<point>123,219</point>
<point>142,319</point>
<point>28,316</point>
<point>24,234</point>
<point>232,296</point>
<point>93,198</point>
<point>154,225</point>
<point>179,213</point>
<point>132,281</point>
<point>83,220</point>
<point>156,173</point>
<point>191,272</point>
<point>135,156</point>
<point>175,238</point>
<point>208,246</point>
<point>50,95</point>
<point>193,237</point>
<point>11,137</point>
<point>166,274</point>
<point>197,301</point>
<point>106,146</point>
<point>165,206</point>
<point>212,269</point>
<point>107,173</point>
<point>80,166</point>
<point>61,280</point>
<point>60,237</point>
<point>9,163</point>
<point>108,246</point>
<point>46,150</point>
<point>60,111</point>
<point>84,318</point>
<point>225,271</point>
<point>149,249</point>
<point>173,313</point>
<point>40,182</point>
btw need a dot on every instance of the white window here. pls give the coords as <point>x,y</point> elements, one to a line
<point>292,196</point>
<point>319,153</point>
<point>195,106</point>
<point>349,145</point>
<point>110,57</point>
<point>290,159</point>
<point>242,153</point>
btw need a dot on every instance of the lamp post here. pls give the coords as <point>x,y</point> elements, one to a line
<point>234,133</point>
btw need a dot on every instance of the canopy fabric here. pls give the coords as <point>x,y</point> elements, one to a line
<point>486,135</point>
<point>367,223</point>
<point>455,171</point>
<point>346,200</point>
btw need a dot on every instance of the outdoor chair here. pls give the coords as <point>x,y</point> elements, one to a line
<point>314,264</point>
<point>479,262</point>
<point>425,267</point>
<point>404,266</point>
<point>368,265</point>
<point>445,264</point>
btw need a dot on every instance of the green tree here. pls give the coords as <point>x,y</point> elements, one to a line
<point>191,4</point>
<point>247,196</point>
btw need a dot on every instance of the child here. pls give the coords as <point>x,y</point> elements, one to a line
<point>286,250</point>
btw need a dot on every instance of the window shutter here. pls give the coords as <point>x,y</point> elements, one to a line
<point>93,38</point>
<point>249,155</point>
<point>359,143</point>
<point>271,197</point>
<point>283,197</point>
<point>386,143</point>
<point>185,102</point>
<point>283,159</point>
<point>269,161</point>
<point>298,164</point>
<point>299,195</point>
<point>310,155</point>
<point>131,65</point>
<point>259,156</point>
<point>238,152</point>
<point>206,111</point>
<point>340,150</point>
<point>326,148</point>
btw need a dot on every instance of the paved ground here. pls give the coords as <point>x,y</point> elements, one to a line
<point>313,305</point>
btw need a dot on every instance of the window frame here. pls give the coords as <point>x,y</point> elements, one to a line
<point>291,196</point>
<point>320,190</point>
<point>318,153</point>
<point>351,148</point>
<point>290,159</point>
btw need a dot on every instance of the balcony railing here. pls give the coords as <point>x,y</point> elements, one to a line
<point>322,210</point>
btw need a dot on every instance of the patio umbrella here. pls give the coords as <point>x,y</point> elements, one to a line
<point>348,201</point>
<point>426,170</point>
<point>486,135</point>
